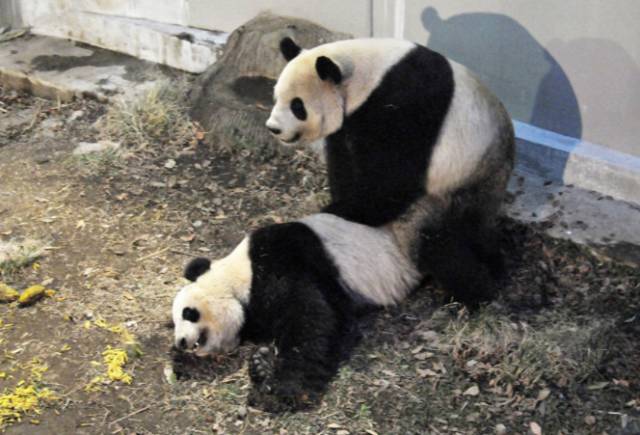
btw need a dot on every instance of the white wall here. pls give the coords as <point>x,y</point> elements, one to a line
<point>570,66</point>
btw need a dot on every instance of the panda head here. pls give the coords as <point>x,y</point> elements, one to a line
<point>308,98</point>
<point>208,313</point>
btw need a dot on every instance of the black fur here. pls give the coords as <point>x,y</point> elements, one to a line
<point>327,70</point>
<point>297,302</point>
<point>191,314</point>
<point>289,48</point>
<point>196,267</point>
<point>298,109</point>
<point>378,160</point>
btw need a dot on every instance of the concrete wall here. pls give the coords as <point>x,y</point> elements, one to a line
<point>10,13</point>
<point>570,67</point>
<point>350,16</point>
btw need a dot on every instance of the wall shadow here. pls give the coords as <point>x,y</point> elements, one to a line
<point>607,78</point>
<point>513,64</point>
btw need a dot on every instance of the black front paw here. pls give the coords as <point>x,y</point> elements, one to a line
<point>281,398</point>
<point>261,365</point>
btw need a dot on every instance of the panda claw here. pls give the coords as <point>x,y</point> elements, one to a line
<point>260,365</point>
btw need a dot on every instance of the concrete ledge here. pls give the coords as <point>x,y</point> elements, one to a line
<point>184,48</point>
<point>580,163</point>
<point>60,69</point>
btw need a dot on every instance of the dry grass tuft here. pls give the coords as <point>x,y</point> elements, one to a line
<point>157,117</point>
<point>17,255</point>
<point>560,349</point>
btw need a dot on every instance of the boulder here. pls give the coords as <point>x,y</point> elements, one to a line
<point>232,99</point>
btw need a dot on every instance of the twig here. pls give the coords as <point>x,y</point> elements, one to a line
<point>34,119</point>
<point>146,257</point>
<point>188,254</point>
<point>131,414</point>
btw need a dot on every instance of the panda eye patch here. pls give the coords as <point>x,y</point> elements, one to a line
<point>191,314</point>
<point>297,107</point>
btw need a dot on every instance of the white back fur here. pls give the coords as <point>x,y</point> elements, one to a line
<point>218,295</point>
<point>470,128</point>
<point>369,262</point>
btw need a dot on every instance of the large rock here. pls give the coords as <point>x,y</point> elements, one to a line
<point>232,98</point>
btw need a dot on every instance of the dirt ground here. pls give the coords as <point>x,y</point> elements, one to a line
<point>557,352</point>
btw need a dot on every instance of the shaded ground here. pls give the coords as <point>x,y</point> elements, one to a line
<point>559,349</point>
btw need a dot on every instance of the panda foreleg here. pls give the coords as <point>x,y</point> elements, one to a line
<point>308,343</point>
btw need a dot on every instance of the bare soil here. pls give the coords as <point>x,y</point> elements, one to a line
<point>558,350</point>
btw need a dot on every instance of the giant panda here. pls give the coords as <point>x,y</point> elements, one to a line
<point>299,285</point>
<point>413,142</point>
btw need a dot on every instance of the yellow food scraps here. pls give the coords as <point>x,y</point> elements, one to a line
<point>115,360</point>
<point>26,397</point>
<point>7,294</point>
<point>125,335</point>
<point>31,295</point>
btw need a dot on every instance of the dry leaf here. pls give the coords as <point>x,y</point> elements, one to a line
<point>621,382</point>
<point>472,391</point>
<point>543,394</point>
<point>426,373</point>
<point>535,428</point>
<point>598,385</point>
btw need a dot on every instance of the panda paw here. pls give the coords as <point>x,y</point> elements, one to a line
<point>261,365</point>
<point>285,397</point>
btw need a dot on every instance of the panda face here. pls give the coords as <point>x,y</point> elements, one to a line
<point>208,313</point>
<point>308,105</point>
<point>206,323</point>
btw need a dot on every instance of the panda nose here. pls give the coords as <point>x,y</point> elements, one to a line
<point>182,344</point>
<point>274,130</point>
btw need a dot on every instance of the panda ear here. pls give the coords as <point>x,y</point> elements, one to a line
<point>289,48</point>
<point>196,267</point>
<point>328,70</point>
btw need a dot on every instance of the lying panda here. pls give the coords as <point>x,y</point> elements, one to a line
<point>298,284</point>
<point>413,141</point>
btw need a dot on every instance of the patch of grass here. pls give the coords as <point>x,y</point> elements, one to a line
<point>554,347</point>
<point>157,116</point>
<point>15,256</point>
<point>98,163</point>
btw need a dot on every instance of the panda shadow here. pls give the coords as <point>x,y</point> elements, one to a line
<point>523,74</point>
<point>187,366</point>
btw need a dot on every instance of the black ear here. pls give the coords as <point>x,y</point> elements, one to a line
<point>196,267</point>
<point>327,70</point>
<point>289,48</point>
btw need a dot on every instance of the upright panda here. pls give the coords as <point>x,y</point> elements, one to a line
<point>298,284</point>
<point>413,142</point>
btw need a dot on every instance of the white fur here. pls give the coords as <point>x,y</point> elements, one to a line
<point>218,295</point>
<point>363,63</point>
<point>369,262</point>
<point>470,128</point>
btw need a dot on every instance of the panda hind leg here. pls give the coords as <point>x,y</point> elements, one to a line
<point>453,261</point>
